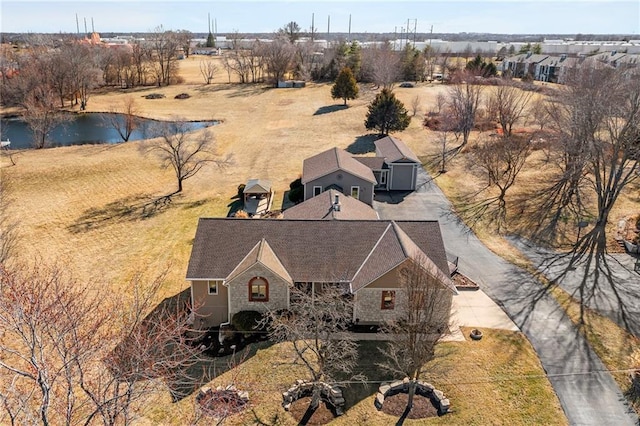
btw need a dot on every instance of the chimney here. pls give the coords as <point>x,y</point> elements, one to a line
<point>336,204</point>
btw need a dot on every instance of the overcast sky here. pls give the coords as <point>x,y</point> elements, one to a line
<point>452,16</point>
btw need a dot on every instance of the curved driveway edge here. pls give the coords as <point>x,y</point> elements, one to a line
<point>587,392</point>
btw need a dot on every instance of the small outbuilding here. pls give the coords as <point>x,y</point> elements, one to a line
<point>257,196</point>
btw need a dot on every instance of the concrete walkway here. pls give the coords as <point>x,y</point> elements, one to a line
<point>473,308</point>
<point>588,394</point>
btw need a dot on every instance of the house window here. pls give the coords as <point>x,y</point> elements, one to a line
<point>388,299</point>
<point>383,177</point>
<point>258,289</point>
<point>317,190</point>
<point>355,192</point>
<point>213,286</point>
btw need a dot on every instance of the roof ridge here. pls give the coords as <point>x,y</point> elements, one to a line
<point>364,262</point>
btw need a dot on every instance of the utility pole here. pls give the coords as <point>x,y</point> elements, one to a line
<point>93,30</point>
<point>349,38</point>
<point>415,31</point>
<point>77,26</point>
<point>328,26</point>
<point>407,32</point>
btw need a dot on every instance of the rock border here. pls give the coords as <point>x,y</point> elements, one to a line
<point>206,393</point>
<point>330,394</point>
<point>422,388</point>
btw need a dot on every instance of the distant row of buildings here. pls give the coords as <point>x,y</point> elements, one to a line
<point>554,69</point>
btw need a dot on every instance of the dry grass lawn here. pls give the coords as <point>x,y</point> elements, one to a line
<point>497,380</point>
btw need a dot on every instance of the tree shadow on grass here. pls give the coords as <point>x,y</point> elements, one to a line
<point>163,346</point>
<point>330,108</point>
<point>363,144</point>
<point>236,204</point>
<point>253,89</point>
<point>132,208</point>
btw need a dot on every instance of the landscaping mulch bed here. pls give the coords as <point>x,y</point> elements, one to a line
<point>395,405</point>
<point>463,283</point>
<point>321,416</point>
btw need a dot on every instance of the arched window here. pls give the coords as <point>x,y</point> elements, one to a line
<point>258,289</point>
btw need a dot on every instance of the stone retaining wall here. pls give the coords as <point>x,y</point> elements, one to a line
<point>328,393</point>
<point>422,388</point>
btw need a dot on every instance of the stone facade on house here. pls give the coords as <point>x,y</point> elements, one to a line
<point>278,291</point>
<point>368,305</point>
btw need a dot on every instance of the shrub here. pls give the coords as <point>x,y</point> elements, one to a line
<point>638,222</point>
<point>241,190</point>
<point>296,191</point>
<point>247,322</point>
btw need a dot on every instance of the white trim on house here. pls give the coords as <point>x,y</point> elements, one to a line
<point>314,190</point>
<point>205,279</point>
<point>218,282</point>
<point>357,188</point>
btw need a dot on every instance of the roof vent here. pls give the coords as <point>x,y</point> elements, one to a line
<point>336,204</point>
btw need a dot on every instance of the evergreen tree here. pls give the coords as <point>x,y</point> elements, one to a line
<point>354,58</point>
<point>211,42</point>
<point>479,67</point>
<point>345,86</point>
<point>387,114</point>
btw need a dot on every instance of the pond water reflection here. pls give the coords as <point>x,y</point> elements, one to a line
<point>82,129</point>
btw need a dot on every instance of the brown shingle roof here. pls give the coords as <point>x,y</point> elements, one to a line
<point>374,163</point>
<point>393,150</point>
<point>311,250</point>
<point>332,160</point>
<point>263,254</point>
<point>321,207</point>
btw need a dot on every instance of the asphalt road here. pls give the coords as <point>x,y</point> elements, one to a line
<point>588,394</point>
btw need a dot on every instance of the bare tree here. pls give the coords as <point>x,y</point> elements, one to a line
<point>497,163</point>
<point>291,31</point>
<point>424,310</point>
<point>208,69</point>
<point>124,121</point>
<point>597,120</point>
<point>510,104</point>
<point>319,313</point>
<point>278,56</point>
<point>383,63</point>
<point>68,356</point>
<point>165,54</point>
<point>182,152</point>
<point>8,227</point>
<point>415,105</point>
<point>42,116</point>
<point>539,112</point>
<point>464,100</point>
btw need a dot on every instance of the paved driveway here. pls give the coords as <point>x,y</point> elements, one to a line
<point>619,299</point>
<point>588,394</point>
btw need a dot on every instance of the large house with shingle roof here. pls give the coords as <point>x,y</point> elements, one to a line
<point>241,264</point>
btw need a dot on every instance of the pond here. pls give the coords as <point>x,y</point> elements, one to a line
<point>89,128</point>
